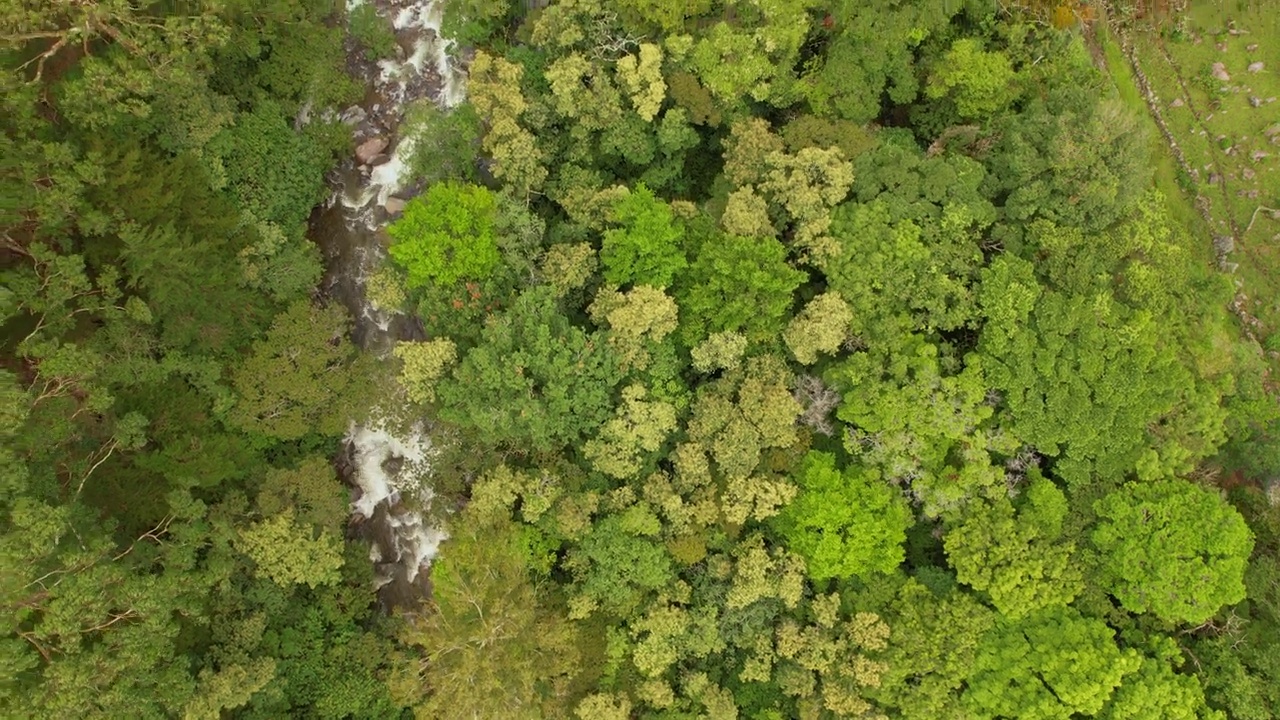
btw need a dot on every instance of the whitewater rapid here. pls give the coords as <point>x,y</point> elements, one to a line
<point>387,461</point>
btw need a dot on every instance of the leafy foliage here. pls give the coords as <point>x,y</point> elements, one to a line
<point>736,284</point>
<point>446,235</point>
<point>1052,664</point>
<point>845,523</point>
<point>534,380</point>
<point>1172,549</point>
<point>646,249</point>
<point>791,361</point>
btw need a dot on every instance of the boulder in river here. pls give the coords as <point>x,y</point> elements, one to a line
<point>370,149</point>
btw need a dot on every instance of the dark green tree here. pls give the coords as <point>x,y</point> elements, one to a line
<point>534,381</point>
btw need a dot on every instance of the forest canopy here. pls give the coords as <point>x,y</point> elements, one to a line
<point>781,359</point>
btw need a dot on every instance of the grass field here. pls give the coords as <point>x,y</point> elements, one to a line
<point>1215,73</point>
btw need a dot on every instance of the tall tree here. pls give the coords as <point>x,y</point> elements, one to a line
<point>1172,549</point>
<point>846,523</point>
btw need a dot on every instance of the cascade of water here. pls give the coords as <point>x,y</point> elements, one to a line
<point>390,470</point>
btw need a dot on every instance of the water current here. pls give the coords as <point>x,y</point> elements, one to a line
<point>387,464</point>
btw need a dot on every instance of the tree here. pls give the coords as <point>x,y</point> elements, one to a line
<point>802,187</point>
<point>739,416</point>
<point>638,321</point>
<point>641,74</point>
<point>1171,549</point>
<point>490,644</point>
<point>288,552</point>
<point>92,627</point>
<point>618,563</point>
<point>446,143</point>
<point>934,643</point>
<point>720,351</point>
<point>743,62</point>
<point>473,21</point>
<point>299,378</point>
<point>904,275</point>
<point>821,327</point>
<point>872,53</point>
<point>494,89</point>
<point>446,235</point>
<point>846,523</point>
<point>736,284</point>
<point>1073,156</point>
<point>275,174</point>
<point>1085,378</point>
<point>638,428</point>
<point>979,82</point>
<point>1156,692</point>
<point>1018,558</point>
<point>425,364</point>
<point>646,249</point>
<point>534,381</point>
<point>920,426</point>
<point>1054,663</point>
<point>311,490</point>
<point>231,687</point>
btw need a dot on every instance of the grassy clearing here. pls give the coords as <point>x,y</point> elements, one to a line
<point>1231,143</point>
<point>1226,118</point>
<point>1165,168</point>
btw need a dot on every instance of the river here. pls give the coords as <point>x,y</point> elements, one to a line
<point>386,462</point>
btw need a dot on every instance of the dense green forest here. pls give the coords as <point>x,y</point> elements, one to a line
<point>780,358</point>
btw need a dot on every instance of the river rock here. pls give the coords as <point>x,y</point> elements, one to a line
<point>353,115</point>
<point>394,206</point>
<point>1220,72</point>
<point>1255,67</point>
<point>370,149</point>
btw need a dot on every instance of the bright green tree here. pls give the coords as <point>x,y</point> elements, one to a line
<point>1172,549</point>
<point>646,250</point>
<point>933,643</point>
<point>1054,664</point>
<point>736,284</point>
<point>979,82</point>
<point>1018,558</point>
<point>846,523</point>
<point>446,235</point>
<point>1157,692</point>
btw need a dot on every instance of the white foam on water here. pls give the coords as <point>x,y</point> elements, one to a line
<point>373,449</point>
<point>387,179</point>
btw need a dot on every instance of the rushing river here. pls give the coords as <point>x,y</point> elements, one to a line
<point>386,463</point>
